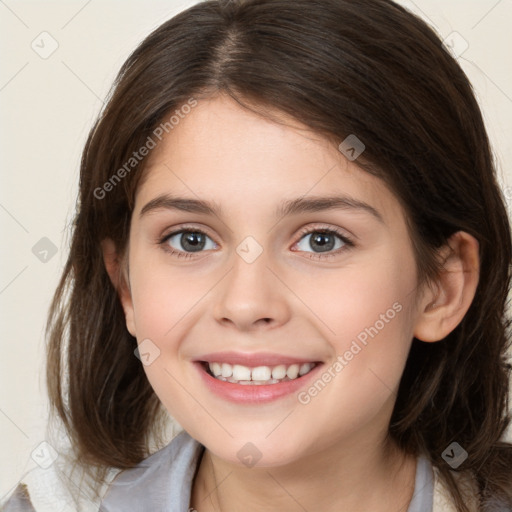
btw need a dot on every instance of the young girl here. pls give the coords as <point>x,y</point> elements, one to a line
<point>290,238</point>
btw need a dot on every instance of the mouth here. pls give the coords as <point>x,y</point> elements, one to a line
<point>255,379</point>
<point>259,375</point>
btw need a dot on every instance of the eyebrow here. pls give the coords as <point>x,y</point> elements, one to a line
<point>289,207</point>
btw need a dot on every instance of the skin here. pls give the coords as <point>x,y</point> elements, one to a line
<point>332,453</point>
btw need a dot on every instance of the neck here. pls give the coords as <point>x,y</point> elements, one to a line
<point>378,478</point>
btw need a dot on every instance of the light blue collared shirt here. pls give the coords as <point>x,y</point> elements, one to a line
<point>163,482</point>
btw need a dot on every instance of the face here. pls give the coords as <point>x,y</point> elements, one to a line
<point>282,317</point>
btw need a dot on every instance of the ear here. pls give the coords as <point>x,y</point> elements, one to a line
<point>118,273</point>
<point>445,303</point>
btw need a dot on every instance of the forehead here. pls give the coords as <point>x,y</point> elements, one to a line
<point>224,153</point>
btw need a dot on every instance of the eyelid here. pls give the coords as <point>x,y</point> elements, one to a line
<point>186,227</point>
<point>322,227</point>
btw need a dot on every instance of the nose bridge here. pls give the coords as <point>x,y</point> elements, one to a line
<point>251,294</point>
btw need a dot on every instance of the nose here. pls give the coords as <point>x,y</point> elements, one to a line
<point>251,297</point>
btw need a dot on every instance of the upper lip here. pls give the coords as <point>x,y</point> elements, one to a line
<point>252,360</point>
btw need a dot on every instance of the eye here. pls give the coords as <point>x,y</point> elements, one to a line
<point>186,241</point>
<point>323,240</point>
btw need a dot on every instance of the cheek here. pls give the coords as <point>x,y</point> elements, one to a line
<point>166,301</point>
<point>370,300</point>
<point>368,319</point>
<point>163,295</point>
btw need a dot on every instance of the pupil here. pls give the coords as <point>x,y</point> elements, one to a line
<point>192,241</point>
<point>322,241</point>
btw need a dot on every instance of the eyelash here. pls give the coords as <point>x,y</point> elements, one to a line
<point>348,243</point>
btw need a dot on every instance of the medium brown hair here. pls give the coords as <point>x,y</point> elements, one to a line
<point>341,67</point>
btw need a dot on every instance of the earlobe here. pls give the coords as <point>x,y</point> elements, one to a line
<point>115,268</point>
<point>443,307</point>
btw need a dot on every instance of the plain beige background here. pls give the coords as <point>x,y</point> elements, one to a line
<point>48,103</point>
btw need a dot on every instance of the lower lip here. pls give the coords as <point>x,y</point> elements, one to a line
<point>254,394</point>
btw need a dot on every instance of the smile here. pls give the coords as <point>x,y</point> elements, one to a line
<point>258,376</point>
<point>255,378</point>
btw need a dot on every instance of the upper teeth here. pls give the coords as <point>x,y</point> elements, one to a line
<point>260,374</point>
